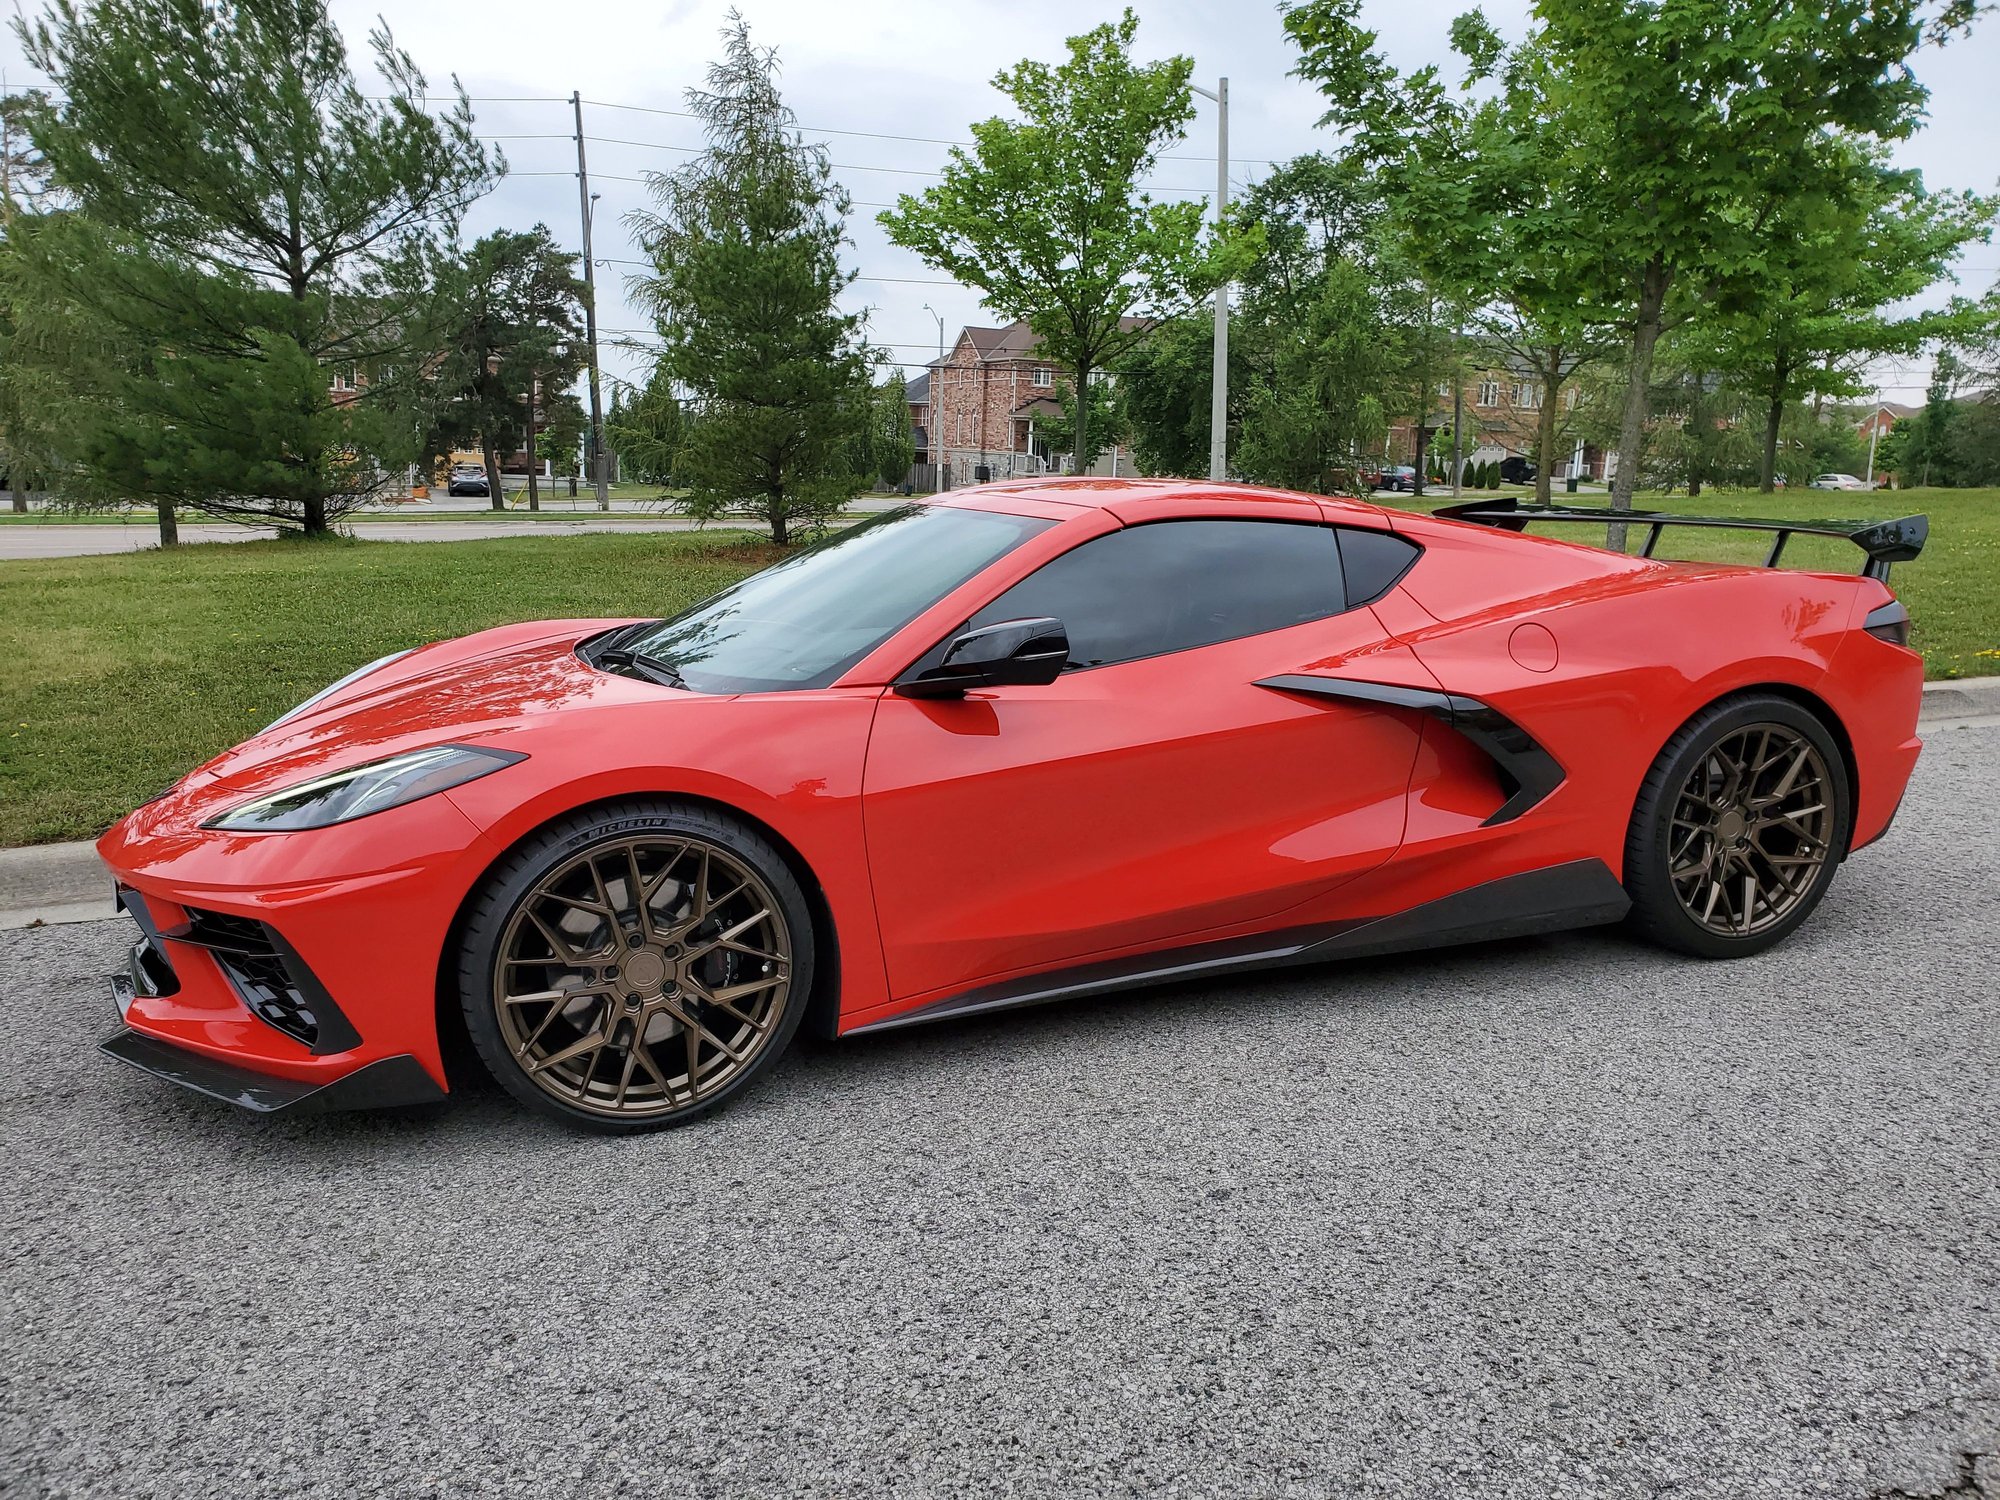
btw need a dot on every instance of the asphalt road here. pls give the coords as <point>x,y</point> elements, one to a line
<point>1562,1217</point>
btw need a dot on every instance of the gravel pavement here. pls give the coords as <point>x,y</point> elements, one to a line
<point>1559,1217</point>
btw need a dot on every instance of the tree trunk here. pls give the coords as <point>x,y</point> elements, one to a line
<point>170,526</point>
<point>1645,335</point>
<point>781,531</point>
<point>18,494</point>
<point>491,456</point>
<point>1545,426</point>
<point>1773,417</point>
<point>315,507</point>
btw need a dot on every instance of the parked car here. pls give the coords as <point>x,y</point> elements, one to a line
<point>467,479</point>
<point>919,770</point>
<point>1515,469</point>
<point>1838,482</point>
<point>1399,479</point>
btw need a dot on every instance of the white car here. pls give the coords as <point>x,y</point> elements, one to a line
<point>1838,482</point>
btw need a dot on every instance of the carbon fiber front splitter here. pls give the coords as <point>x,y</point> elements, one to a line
<point>383,1084</point>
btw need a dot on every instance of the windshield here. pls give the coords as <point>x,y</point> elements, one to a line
<point>803,622</point>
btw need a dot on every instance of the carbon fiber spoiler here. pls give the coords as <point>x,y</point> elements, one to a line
<point>1885,542</point>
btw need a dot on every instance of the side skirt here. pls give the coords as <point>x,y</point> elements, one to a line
<point>1582,893</point>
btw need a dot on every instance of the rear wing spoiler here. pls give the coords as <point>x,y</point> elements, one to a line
<point>1885,542</point>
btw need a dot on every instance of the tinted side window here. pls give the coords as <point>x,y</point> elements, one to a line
<point>1373,561</point>
<point>1170,585</point>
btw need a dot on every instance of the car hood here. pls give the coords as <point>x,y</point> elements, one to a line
<point>477,689</point>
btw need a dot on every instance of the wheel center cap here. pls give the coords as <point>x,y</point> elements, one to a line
<point>1731,827</point>
<point>646,971</point>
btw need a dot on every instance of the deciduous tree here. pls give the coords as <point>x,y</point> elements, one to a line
<point>1648,145</point>
<point>1044,214</point>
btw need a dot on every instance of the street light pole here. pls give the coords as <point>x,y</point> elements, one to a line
<point>937,407</point>
<point>597,455</point>
<point>1218,400</point>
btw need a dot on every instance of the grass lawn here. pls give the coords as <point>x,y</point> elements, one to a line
<point>123,671</point>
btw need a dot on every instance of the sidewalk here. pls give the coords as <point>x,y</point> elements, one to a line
<point>49,883</point>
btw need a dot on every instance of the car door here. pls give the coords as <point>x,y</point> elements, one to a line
<point>1155,793</point>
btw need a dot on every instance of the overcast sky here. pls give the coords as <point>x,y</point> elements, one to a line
<point>900,69</point>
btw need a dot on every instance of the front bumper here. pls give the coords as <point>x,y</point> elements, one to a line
<point>385,1083</point>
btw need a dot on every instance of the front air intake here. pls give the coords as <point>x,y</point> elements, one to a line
<point>270,978</point>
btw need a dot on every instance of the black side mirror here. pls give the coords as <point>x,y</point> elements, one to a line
<point>1014,652</point>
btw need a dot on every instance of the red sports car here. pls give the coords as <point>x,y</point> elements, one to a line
<point>1026,741</point>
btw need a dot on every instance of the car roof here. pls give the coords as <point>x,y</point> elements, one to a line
<point>1092,493</point>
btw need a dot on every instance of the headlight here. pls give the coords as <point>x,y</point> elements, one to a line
<point>333,687</point>
<point>360,790</point>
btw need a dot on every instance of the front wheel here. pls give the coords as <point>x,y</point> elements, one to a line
<point>1738,829</point>
<point>633,967</point>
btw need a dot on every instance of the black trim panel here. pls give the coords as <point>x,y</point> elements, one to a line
<point>383,1084</point>
<point>1529,771</point>
<point>1582,893</point>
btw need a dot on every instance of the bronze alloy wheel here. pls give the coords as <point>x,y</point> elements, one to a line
<point>641,976</point>
<point>1751,828</point>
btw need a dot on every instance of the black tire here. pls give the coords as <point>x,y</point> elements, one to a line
<point>1778,860</point>
<point>500,913</point>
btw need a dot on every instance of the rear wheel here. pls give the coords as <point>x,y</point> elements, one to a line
<point>634,967</point>
<point>1738,829</point>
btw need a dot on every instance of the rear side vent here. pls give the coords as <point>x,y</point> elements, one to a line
<point>270,978</point>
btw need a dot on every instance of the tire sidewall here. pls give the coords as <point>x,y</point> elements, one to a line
<point>523,869</point>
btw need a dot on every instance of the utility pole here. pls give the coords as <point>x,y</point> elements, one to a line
<point>534,491</point>
<point>1218,400</point>
<point>597,454</point>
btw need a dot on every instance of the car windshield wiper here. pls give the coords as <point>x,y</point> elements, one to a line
<point>639,664</point>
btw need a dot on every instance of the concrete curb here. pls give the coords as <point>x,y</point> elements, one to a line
<point>1960,698</point>
<point>51,883</point>
<point>48,883</point>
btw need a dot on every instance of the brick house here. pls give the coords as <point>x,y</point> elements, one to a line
<point>1876,420</point>
<point>985,400</point>
<point>1502,411</point>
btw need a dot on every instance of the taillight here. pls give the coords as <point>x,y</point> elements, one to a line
<point>1889,622</point>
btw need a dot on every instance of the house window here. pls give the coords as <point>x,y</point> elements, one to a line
<point>1527,393</point>
<point>343,378</point>
<point>1489,393</point>
<point>965,427</point>
<point>1044,377</point>
<point>1444,387</point>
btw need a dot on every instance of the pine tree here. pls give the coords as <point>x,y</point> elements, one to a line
<point>745,245</point>
<point>240,301</point>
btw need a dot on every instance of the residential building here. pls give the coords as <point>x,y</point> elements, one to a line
<point>1876,419</point>
<point>1501,413</point>
<point>989,403</point>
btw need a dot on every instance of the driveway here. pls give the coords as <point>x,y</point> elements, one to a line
<point>1557,1217</point>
